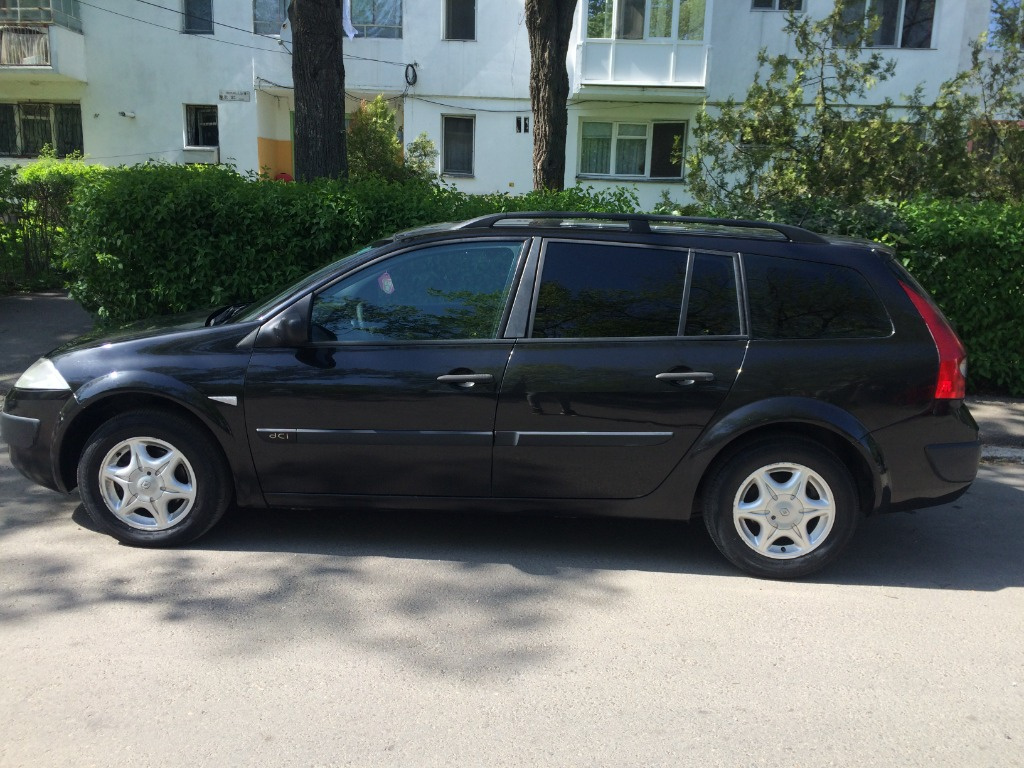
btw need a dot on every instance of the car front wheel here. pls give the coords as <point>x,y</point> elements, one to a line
<point>781,509</point>
<point>151,478</point>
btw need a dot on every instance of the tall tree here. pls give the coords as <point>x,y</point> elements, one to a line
<point>548,26</point>
<point>318,74</point>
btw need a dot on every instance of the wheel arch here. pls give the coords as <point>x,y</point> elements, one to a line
<point>803,419</point>
<point>101,399</point>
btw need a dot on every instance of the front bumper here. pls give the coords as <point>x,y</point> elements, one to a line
<point>27,424</point>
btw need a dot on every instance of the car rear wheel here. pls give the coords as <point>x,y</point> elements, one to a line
<point>151,478</point>
<point>781,509</point>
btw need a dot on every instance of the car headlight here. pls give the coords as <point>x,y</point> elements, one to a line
<point>42,374</point>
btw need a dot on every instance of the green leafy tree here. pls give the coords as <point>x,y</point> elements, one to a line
<point>802,130</point>
<point>373,147</point>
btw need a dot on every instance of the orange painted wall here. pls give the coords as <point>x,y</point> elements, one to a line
<point>275,155</point>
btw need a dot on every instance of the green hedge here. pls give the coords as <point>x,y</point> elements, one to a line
<point>970,256</point>
<point>158,239</point>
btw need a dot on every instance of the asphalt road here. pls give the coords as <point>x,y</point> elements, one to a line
<point>454,640</point>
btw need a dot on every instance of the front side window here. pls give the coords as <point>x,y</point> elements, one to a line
<point>896,23</point>
<point>443,292</point>
<point>25,129</point>
<point>377,18</point>
<point>645,19</point>
<point>460,20</point>
<point>793,299</point>
<point>651,150</point>
<point>457,145</point>
<point>599,290</point>
<point>201,125</point>
<point>197,17</point>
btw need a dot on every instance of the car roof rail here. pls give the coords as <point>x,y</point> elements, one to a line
<point>640,223</point>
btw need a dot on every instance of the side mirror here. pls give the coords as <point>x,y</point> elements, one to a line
<point>290,328</point>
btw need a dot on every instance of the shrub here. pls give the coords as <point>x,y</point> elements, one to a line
<point>160,239</point>
<point>970,256</point>
<point>34,203</point>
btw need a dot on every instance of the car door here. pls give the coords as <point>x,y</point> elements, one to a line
<point>394,391</point>
<point>630,351</point>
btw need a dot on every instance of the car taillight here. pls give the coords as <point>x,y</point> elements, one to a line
<point>952,380</point>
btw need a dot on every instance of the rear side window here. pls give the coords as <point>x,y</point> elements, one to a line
<point>596,290</point>
<point>712,308</point>
<point>793,299</point>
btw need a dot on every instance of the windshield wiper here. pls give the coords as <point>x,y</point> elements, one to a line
<point>222,315</point>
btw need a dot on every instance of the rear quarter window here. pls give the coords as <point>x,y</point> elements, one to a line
<point>795,299</point>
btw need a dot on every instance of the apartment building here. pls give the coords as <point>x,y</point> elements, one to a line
<point>125,81</point>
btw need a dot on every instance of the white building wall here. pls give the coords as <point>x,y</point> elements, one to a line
<point>145,66</point>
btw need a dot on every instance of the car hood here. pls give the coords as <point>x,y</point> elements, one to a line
<point>143,329</point>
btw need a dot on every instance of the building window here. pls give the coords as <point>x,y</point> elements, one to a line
<point>651,150</point>
<point>377,18</point>
<point>201,125</point>
<point>460,20</point>
<point>268,16</point>
<point>26,128</point>
<point>197,18</point>
<point>901,23</point>
<point>777,5</point>
<point>646,19</point>
<point>457,145</point>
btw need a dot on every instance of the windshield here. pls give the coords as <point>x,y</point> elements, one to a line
<point>258,309</point>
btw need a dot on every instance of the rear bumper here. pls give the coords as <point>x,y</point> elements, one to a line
<point>932,458</point>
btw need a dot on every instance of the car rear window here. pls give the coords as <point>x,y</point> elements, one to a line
<point>795,299</point>
<point>597,290</point>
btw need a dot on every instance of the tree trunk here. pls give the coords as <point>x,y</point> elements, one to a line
<point>318,74</point>
<point>548,26</point>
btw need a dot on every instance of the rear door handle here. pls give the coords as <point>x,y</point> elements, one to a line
<point>465,380</point>
<point>685,378</point>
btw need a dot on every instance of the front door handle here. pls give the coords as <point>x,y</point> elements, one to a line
<point>685,378</point>
<point>465,380</point>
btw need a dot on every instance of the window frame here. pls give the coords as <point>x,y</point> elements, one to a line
<point>901,21</point>
<point>689,256</point>
<point>193,130</point>
<point>774,6</point>
<point>190,17</point>
<point>449,14</point>
<point>366,270</point>
<point>472,146</point>
<point>648,150</point>
<point>363,26</point>
<point>261,25</point>
<point>616,14</point>
<point>53,121</point>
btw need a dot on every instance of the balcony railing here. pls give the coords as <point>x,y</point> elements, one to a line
<point>26,46</point>
<point>642,63</point>
<point>65,13</point>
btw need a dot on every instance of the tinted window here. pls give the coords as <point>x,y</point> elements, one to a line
<point>712,308</point>
<point>592,290</point>
<point>792,299</point>
<point>453,291</point>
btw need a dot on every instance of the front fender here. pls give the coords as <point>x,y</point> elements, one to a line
<point>225,422</point>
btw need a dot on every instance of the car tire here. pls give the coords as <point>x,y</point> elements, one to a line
<point>151,478</point>
<point>781,509</point>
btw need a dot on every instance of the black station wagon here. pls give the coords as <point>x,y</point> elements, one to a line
<point>778,383</point>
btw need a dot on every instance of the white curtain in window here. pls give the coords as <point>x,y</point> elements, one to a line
<point>631,150</point>
<point>596,148</point>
